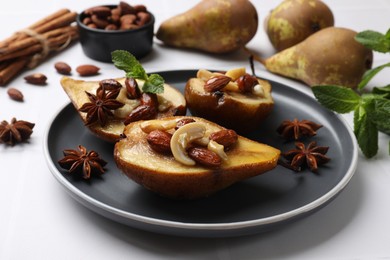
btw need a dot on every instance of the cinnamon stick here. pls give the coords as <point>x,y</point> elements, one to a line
<point>14,68</point>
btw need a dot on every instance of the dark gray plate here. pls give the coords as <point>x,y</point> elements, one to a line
<point>258,204</point>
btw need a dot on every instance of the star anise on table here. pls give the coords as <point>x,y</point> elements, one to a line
<point>101,105</point>
<point>296,129</point>
<point>311,156</point>
<point>16,131</point>
<point>82,161</point>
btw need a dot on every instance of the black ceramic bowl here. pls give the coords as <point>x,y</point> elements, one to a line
<point>98,43</point>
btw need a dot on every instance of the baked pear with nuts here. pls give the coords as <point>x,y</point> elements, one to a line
<point>106,106</point>
<point>186,157</point>
<point>234,99</point>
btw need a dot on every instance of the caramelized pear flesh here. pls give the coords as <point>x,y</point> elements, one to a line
<point>75,89</point>
<point>164,175</point>
<point>242,112</point>
<point>331,56</point>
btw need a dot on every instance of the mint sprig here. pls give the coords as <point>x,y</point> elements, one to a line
<point>125,61</point>
<point>371,109</point>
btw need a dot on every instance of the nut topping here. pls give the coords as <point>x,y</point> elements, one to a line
<point>204,157</point>
<point>159,141</point>
<point>225,137</point>
<point>110,84</point>
<point>216,83</point>
<point>133,91</point>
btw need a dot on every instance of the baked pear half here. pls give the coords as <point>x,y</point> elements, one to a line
<point>233,99</point>
<point>106,106</point>
<point>186,157</point>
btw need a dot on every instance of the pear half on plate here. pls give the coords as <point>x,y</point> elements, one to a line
<point>167,176</point>
<point>171,102</point>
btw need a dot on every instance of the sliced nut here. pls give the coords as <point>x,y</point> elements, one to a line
<point>204,156</point>
<point>258,90</point>
<point>218,149</point>
<point>62,68</point>
<point>15,94</point>
<point>182,137</point>
<point>87,70</point>
<point>36,79</point>
<point>235,73</point>
<point>216,83</point>
<point>225,137</point>
<point>159,141</point>
<point>164,125</point>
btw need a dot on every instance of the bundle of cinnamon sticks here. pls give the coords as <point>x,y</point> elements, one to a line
<point>27,48</point>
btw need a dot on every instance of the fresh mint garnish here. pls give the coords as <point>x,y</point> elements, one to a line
<point>125,61</point>
<point>371,109</point>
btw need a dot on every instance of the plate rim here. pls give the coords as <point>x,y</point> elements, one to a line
<point>229,226</point>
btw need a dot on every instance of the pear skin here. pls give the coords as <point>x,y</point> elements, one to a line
<point>292,21</point>
<point>214,26</point>
<point>331,56</point>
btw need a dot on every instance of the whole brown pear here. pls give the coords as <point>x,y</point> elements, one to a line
<point>331,56</point>
<point>215,26</point>
<point>292,21</point>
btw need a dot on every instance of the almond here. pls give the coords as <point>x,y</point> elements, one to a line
<point>133,91</point>
<point>216,83</point>
<point>15,94</point>
<point>62,68</point>
<point>142,112</point>
<point>101,11</point>
<point>87,70</point>
<point>159,141</point>
<point>226,137</point>
<point>110,84</point>
<point>204,156</point>
<point>36,79</point>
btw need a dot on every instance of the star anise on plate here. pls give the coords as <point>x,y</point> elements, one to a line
<point>82,161</point>
<point>101,105</point>
<point>311,156</point>
<point>16,131</point>
<point>296,129</point>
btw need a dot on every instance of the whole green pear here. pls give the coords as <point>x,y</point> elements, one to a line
<point>292,21</point>
<point>215,26</point>
<point>331,56</point>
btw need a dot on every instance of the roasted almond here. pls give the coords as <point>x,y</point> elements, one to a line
<point>142,112</point>
<point>159,141</point>
<point>110,84</point>
<point>36,79</point>
<point>133,91</point>
<point>62,68</point>
<point>87,70</point>
<point>226,137</point>
<point>15,94</point>
<point>216,83</point>
<point>204,157</point>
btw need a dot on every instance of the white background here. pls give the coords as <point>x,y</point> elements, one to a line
<point>39,220</point>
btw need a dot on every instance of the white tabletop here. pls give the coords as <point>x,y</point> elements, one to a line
<point>39,220</point>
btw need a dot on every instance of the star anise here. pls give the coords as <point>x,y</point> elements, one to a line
<point>101,105</point>
<point>312,156</point>
<point>296,129</point>
<point>82,161</point>
<point>16,131</point>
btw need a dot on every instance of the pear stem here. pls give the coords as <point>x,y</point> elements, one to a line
<point>255,57</point>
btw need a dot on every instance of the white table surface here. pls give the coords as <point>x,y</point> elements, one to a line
<point>39,220</point>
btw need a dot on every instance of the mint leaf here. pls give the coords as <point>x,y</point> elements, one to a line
<point>380,115</point>
<point>374,40</point>
<point>366,132</point>
<point>155,84</point>
<point>339,99</point>
<point>126,61</point>
<point>382,91</point>
<point>369,74</point>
